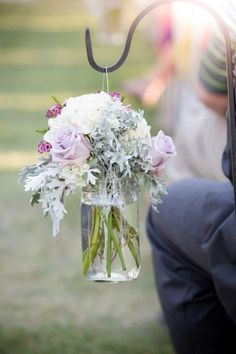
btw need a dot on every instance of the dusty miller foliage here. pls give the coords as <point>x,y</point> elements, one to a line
<point>120,158</point>
<point>117,155</point>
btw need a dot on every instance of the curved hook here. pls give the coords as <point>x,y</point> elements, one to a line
<point>230,80</point>
<point>133,26</point>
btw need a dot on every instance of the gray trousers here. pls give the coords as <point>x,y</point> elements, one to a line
<point>193,239</point>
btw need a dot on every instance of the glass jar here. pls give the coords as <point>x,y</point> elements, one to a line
<point>110,233</point>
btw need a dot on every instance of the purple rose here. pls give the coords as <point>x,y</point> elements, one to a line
<point>162,148</point>
<point>53,111</point>
<point>69,146</point>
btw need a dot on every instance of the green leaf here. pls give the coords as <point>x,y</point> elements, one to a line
<point>41,131</point>
<point>35,199</point>
<point>56,100</point>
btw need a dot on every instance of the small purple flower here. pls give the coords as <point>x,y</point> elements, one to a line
<point>44,146</point>
<point>116,96</point>
<point>53,111</point>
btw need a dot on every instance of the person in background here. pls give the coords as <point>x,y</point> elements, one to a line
<point>193,237</point>
<point>182,35</point>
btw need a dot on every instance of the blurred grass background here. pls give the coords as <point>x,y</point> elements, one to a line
<point>46,305</point>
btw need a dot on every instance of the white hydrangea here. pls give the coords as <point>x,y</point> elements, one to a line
<point>141,132</point>
<point>74,176</point>
<point>82,111</point>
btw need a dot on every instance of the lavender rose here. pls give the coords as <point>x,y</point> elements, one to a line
<point>69,146</point>
<point>162,148</point>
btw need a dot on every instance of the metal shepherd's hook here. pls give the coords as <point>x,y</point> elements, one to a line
<point>230,79</point>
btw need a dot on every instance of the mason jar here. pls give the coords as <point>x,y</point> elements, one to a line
<point>110,233</point>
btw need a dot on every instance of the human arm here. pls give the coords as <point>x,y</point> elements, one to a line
<point>215,101</point>
<point>212,85</point>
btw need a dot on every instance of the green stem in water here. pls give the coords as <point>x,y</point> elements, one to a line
<point>86,262</point>
<point>116,243</point>
<point>134,252</point>
<point>118,218</point>
<point>94,244</point>
<point>91,252</point>
<point>109,245</point>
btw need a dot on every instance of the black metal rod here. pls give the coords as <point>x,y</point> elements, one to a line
<point>230,79</point>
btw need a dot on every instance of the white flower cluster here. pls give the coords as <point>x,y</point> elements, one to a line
<point>142,131</point>
<point>83,111</point>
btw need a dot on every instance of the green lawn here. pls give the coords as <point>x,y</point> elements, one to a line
<point>46,305</point>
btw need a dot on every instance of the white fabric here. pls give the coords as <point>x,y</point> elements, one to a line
<point>200,139</point>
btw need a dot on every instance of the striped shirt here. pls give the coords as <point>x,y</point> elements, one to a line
<point>212,73</point>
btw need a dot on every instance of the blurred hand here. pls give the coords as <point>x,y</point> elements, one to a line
<point>214,101</point>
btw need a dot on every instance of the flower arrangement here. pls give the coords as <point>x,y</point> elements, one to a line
<point>91,139</point>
